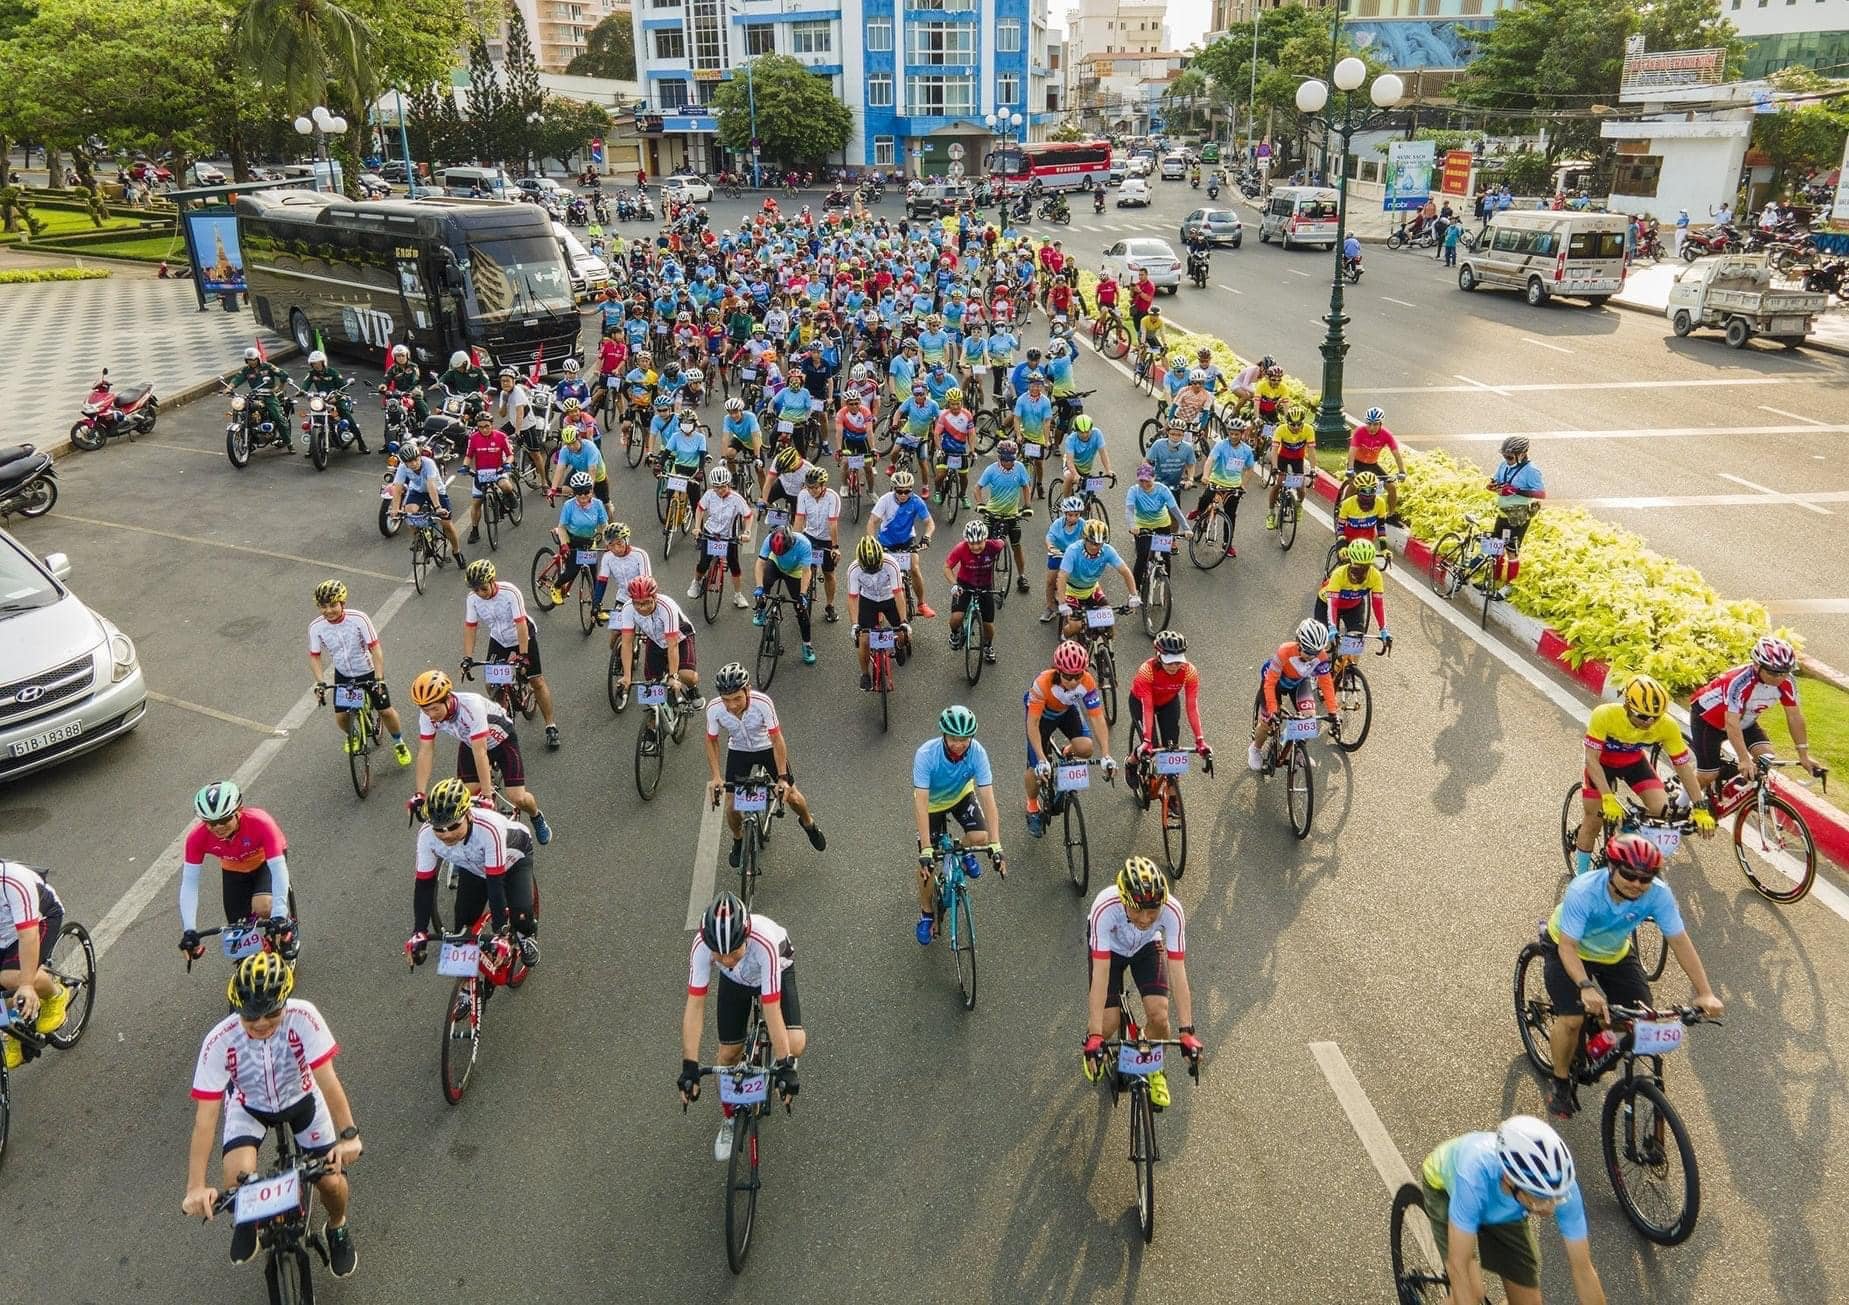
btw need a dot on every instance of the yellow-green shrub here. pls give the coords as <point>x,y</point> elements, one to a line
<point>26,275</point>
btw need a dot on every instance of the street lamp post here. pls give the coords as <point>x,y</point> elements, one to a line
<point>1312,97</point>
<point>1003,122</point>
<point>318,123</point>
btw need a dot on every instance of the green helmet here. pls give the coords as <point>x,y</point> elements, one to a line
<point>957,721</point>
<point>218,801</point>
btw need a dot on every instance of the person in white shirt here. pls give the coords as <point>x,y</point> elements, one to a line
<point>621,562</point>
<point>748,719</point>
<point>655,622</point>
<point>30,917</point>
<point>511,634</point>
<point>818,515</point>
<point>350,641</point>
<point>722,514</point>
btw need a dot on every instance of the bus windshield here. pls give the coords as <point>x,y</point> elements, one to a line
<point>521,276</point>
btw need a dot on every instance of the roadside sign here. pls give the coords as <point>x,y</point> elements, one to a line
<point>955,170</point>
<point>956,150</point>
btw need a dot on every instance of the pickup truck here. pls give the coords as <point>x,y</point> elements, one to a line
<point>1734,292</point>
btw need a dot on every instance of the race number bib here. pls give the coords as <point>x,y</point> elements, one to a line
<point>1293,481</point>
<point>776,517</point>
<point>1171,763</point>
<point>677,484</point>
<point>718,547</point>
<point>349,696</point>
<point>586,556</point>
<point>1100,618</point>
<point>755,798</point>
<point>748,374</point>
<point>901,560</point>
<point>239,941</point>
<point>1668,841</point>
<point>1298,729</point>
<point>1139,1062</point>
<point>1096,484</point>
<point>1490,547</point>
<point>652,695</point>
<point>1162,543</point>
<point>745,1089</point>
<point>498,673</point>
<point>1071,776</point>
<point>855,462</point>
<point>459,960</point>
<point>1350,645</point>
<point>485,476</point>
<point>1657,1037</point>
<point>265,1198</point>
<point>881,640</point>
<point>785,427</point>
<point>953,461</point>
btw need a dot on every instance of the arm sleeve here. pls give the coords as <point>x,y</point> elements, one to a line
<point>423,902</point>
<point>189,895</point>
<point>1380,609</point>
<point>1273,673</point>
<point>1192,690</point>
<point>279,885</point>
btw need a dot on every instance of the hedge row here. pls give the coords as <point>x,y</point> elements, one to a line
<point>28,275</point>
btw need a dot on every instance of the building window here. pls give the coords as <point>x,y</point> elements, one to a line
<point>666,4</point>
<point>673,95</point>
<point>882,151</point>
<point>1008,37</point>
<point>708,36</point>
<point>939,96</point>
<point>811,37</point>
<point>943,6</point>
<point>670,43</point>
<point>879,90</point>
<point>760,39</point>
<point>942,43</point>
<point>1007,89</point>
<point>879,34</point>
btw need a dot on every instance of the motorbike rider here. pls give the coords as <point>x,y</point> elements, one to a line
<point>265,377</point>
<point>1351,253</point>
<point>323,379</point>
<point>464,376</point>
<point>402,377</point>
<point>1215,181</point>
<point>1097,194</point>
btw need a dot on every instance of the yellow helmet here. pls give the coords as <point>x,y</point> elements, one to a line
<point>260,985</point>
<point>788,458</point>
<point>1643,696</point>
<point>871,554</point>
<point>1366,484</point>
<point>953,396</point>
<point>430,688</point>
<point>1097,532</point>
<point>480,574</point>
<point>330,591</point>
<point>448,801</point>
<point>1361,552</point>
<point>1140,884</point>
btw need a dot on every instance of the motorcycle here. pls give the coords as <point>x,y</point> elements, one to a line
<point>577,213</point>
<point>399,409</point>
<point>1097,201</point>
<point>1352,269</point>
<point>247,429</point>
<point>110,413</point>
<point>1198,267</point>
<point>325,428</point>
<point>1213,190</point>
<point>625,208</point>
<point>837,198</point>
<point>1828,277</point>
<point>1194,182</point>
<point>28,481</point>
<point>1650,244</point>
<point>600,208</point>
<point>645,211</point>
<point>1718,239</point>
<point>1055,209</point>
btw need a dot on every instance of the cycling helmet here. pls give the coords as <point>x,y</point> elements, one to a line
<point>410,451</point>
<point>1643,696</point>
<point>316,356</point>
<point>581,482</point>
<point>457,360</point>
<point>1533,1157</point>
<point>870,554</point>
<point>1266,363</point>
<point>642,588</point>
<point>719,477</point>
<point>1070,658</point>
<point>780,541</point>
<point>958,721</point>
<point>695,376</point>
<point>788,458</point>
<point>568,433</point>
<point>617,532</point>
<point>1033,355</point>
<point>1140,884</point>
<point>902,480</point>
<point>430,688</point>
<point>664,403</point>
<point>1312,636</point>
<point>953,396</point>
<point>1171,643</point>
<point>1204,354</point>
<point>1634,852</point>
<point>571,367</point>
<point>975,533</point>
<point>251,355</point>
<point>726,925</point>
<point>1096,532</point>
<point>1007,451</point>
<point>1057,349</point>
<point>1274,373</point>
<point>1360,552</point>
<point>218,801</point>
<point>731,678</point>
<point>1178,361</point>
<point>672,371</point>
<point>570,406</point>
<point>859,372</point>
<point>815,476</point>
<point>260,985</point>
<point>1515,448</point>
<point>1375,415</point>
<point>1295,415</point>
<point>1072,503</point>
<point>448,802</point>
<point>1036,378</point>
<point>1082,424</point>
<point>1366,483</point>
<point>1774,654</point>
<point>334,591</point>
<point>734,405</point>
<point>689,418</point>
<point>1198,376</point>
<point>481,572</point>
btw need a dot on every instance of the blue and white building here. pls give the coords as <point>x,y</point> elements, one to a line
<point>918,74</point>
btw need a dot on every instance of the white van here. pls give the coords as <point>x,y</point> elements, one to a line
<point>1547,253</point>
<point>1299,215</point>
<point>589,273</point>
<point>463,181</point>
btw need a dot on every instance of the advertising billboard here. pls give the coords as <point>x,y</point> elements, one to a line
<point>1409,175</point>
<point>218,262</point>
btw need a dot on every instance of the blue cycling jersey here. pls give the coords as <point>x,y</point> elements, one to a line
<point>947,782</point>
<point>580,522</point>
<point>1468,1169</point>
<point>1172,460</point>
<point>907,514</point>
<point>1082,571</point>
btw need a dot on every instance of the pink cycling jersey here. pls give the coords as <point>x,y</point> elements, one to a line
<point>258,838</point>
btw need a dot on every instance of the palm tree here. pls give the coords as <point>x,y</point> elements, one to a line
<point>303,46</point>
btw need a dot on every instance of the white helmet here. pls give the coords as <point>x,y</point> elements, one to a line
<point>317,357</point>
<point>975,533</point>
<point>1198,376</point>
<point>1312,635</point>
<point>459,359</point>
<point>734,405</point>
<point>251,354</point>
<point>400,353</point>
<point>719,477</point>
<point>1533,1157</point>
<point>571,367</point>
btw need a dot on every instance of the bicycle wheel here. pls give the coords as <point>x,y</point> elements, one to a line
<point>1571,812</point>
<point>1207,545</point>
<point>963,946</point>
<point>648,754</point>
<point>1652,951</point>
<point>1534,1010</point>
<point>1650,1161</point>
<point>1777,837</point>
<point>953,500</point>
<point>712,596</point>
<point>1004,577</point>
<point>1158,601</point>
<point>6,1111</point>
<point>587,602</point>
<point>1143,1156</point>
<point>73,962</point>
<point>770,644</point>
<point>1105,663</point>
<point>1405,1247</point>
<point>1357,702</point>
<point>420,561</point>
<point>882,681</point>
<point>613,677</point>
<point>1148,433</point>
<point>748,865</point>
<point>1077,845</point>
<point>741,1188</point>
<point>1287,519</point>
<point>632,447</point>
<point>988,431</point>
<point>514,507</point>
<point>1095,509</point>
<point>1174,829</point>
<point>286,1275</point>
<point>1448,565</point>
<point>972,641</point>
<point>543,573</point>
<point>662,499</point>
<point>359,751</point>
<point>1116,341</point>
<point>1299,789</point>
<point>461,1037</point>
<point>491,516</point>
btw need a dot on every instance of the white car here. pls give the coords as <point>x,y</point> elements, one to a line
<point>1174,167</point>
<point>686,187</point>
<point>1135,191</point>
<point>1144,253</point>
<point>1140,165</point>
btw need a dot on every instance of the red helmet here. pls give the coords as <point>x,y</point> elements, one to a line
<point>643,586</point>
<point>780,541</point>
<point>1634,852</point>
<point>1070,658</point>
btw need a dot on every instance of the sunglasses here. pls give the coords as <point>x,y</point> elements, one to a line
<point>451,827</point>
<point>1644,719</point>
<point>1635,876</point>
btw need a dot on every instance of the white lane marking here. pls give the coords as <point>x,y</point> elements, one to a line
<point>1496,437</point>
<point>1493,389</point>
<point>1571,386</point>
<point>1708,500</point>
<point>236,548</point>
<point>1401,302</point>
<point>244,721</point>
<point>1235,289</point>
<point>705,862</point>
<point>1773,493</point>
<point>160,873</point>
<point>1373,1135</point>
<point>1296,271</point>
<point>1529,339</point>
<point>1820,606</point>
<point>1795,416</point>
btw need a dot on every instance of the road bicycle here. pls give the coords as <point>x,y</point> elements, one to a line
<point>758,801</point>
<point>718,552</point>
<point>1352,693</point>
<point>71,961</point>
<point>1409,1242</point>
<point>1004,561</point>
<point>479,960</point>
<point>1143,368</point>
<point>1289,750</point>
<point>240,938</point>
<point>955,867</point>
<point>882,652</point>
<point>1290,507</point>
<point>1061,783</point>
<point>855,478</point>
<point>972,641</point>
<point>671,506</point>
<point>1154,776</point>
<point>1137,1057</point>
<point>1109,335</point>
<point>1211,541</point>
<point>280,1202</point>
<point>745,1087</point>
<point>429,545</point>
<point>1158,597</point>
<point>549,567</point>
<point>1771,840</point>
<point>1096,638</point>
<point>661,720</point>
<point>1468,557</point>
<point>508,683</point>
<point>1648,1155</point>
<point>363,733</point>
<point>770,635</point>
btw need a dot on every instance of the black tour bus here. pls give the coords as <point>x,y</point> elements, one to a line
<point>434,274</point>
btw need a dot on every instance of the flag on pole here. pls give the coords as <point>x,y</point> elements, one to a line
<point>474,356</point>
<point>388,353</point>
<point>262,353</point>
<point>319,346</point>
<point>532,377</point>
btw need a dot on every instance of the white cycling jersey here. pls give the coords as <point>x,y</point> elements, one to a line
<point>475,717</point>
<point>616,573</point>
<point>747,731</point>
<point>346,643</point>
<point>878,586</point>
<point>266,1075</point>
<point>22,894</point>
<point>767,955</point>
<point>501,613</point>
<point>1111,931</point>
<point>495,845</point>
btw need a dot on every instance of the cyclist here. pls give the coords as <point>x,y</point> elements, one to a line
<point>756,962</point>
<point>1126,919</point>
<point>1081,572</point>
<point>1365,448</point>
<point>621,562</point>
<point>743,435</point>
<point>1247,381</point>
<point>1191,402</point>
<point>1351,588</point>
<point>1083,453</point>
<point>1480,1189</point>
<point>1158,691</point>
<point>253,864</point>
<point>512,636</point>
<point>418,486</point>
<point>667,641</point>
<point>952,780</point>
<point>270,1064</point>
<point>1359,516</point>
<point>783,481</point>
<point>485,741</point>
<point>818,516</point>
<point>1617,736</point>
<point>581,517</point>
<point>894,521</point>
<point>1065,529</point>
<point>493,855</point>
<point>1149,335</point>
<point>1727,709</point>
<point>1305,657</point>
<point>683,450</point>
<point>754,738</point>
<point>721,514</point>
<point>1152,510</point>
<point>30,917</point>
<point>1032,415</point>
<point>1063,699</point>
<point>1289,455</point>
<point>1593,962</point>
<point>1224,475</point>
<point>1001,494</point>
<point>914,420</point>
<point>791,559</point>
<point>350,641</point>
<point>1269,396</point>
<point>955,425</point>
<point>854,420</point>
<point>490,458</point>
<point>1519,488</point>
<point>969,567</point>
<point>876,587</point>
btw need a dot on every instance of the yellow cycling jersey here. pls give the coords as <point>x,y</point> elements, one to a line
<point>1621,743</point>
<point>1352,520</point>
<point>1292,440</point>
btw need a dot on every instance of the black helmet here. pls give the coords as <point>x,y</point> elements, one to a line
<point>725,925</point>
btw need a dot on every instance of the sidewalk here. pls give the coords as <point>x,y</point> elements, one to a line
<point>1646,290</point>
<point>140,327</point>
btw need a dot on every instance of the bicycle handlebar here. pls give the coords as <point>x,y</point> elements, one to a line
<point>312,1170</point>
<point>1689,1015</point>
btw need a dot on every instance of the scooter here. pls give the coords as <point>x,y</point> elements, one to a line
<point>1351,269</point>
<point>1097,201</point>
<point>577,213</point>
<point>1213,190</point>
<point>110,413</point>
<point>1719,239</point>
<point>28,481</point>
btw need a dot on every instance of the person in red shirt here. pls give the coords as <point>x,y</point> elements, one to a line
<point>1365,447</point>
<point>1107,293</point>
<point>1142,298</point>
<point>1059,298</point>
<point>488,457</point>
<point>970,569</point>
<point>612,356</point>
<point>641,177</point>
<point>1158,692</point>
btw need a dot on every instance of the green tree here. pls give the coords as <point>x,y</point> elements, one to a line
<point>487,106</point>
<point>799,119</point>
<point>565,129</point>
<point>1293,44</point>
<point>609,51</point>
<point>1069,130</point>
<point>1803,136</point>
<point>522,95</point>
<point>312,51</point>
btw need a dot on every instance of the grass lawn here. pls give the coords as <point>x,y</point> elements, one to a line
<point>1826,713</point>
<point>65,222</point>
<point>146,249</point>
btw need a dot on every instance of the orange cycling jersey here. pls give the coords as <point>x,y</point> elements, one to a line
<point>1155,685</point>
<point>1048,693</point>
<point>854,421</point>
<point>956,426</point>
<point>1289,667</point>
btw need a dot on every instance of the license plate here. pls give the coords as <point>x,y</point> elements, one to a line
<point>652,695</point>
<point>237,942</point>
<point>48,738</point>
<point>265,1198</point>
<point>785,427</point>
<point>776,517</point>
<point>1171,763</point>
<point>498,673</point>
<point>1162,543</point>
<point>677,484</point>
<point>856,462</point>
<point>1139,1062</point>
<point>744,1089</point>
<point>1351,645</point>
<point>901,560</point>
<point>586,556</point>
<point>953,462</point>
<point>1293,481</point>
<point>882,640</point>
<point>1668,841</point>
<point>718,547</point>
<point>1490,547</point>
<point>1033,450</point>
<point>1295,731</point>
<point>1071,776</point>
<point>1787,326</point>
<point>459,960</point>
<point>1100,618</point>
<point>1656,1037</point>
<point>1096,484</point>
<point>349,696</point>
<point>755,798</point>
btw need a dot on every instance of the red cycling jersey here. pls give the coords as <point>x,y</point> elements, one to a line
<point>1155,685</point>
<point>1368,444</point>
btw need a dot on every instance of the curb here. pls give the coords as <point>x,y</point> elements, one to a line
<point>63,447</point>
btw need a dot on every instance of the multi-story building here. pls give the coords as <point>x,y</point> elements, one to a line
<point>1781,33</point>
<point>559,29</point>
<point>1118,92</point>
<point>919,75</point>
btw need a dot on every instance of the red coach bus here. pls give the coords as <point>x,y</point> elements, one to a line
<point>1058,165</point>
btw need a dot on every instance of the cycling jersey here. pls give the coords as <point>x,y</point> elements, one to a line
<point>660,627</point>
<point>1082,570</point>
<point>724,512</point>
<point>496,843</point>
<point>767,955</point>
<point>503,613</point>
<point>1060,536</point>
<point>796,558</point>
<point>583,456</point>
<point>746,731</point>
<point>1154,508</point>
<point>1602,922</point>
<point>818,513</point>
<point>472,719</point>
<point>1033,414</point>
<point>1293,440</point>
<point>1289,667</point>
<point>947,782</point>
<point>1228,461</point>
<point>1367,445</point>
<point>743,429</point>
<point>1110,930</point>
<point>1083,450</point>
<point>897,522</point>
<point>975,569</point>
<point>855,423</point>
<point>1352,521</point>
<point>919,418</point>
<point>1156,685</point>
<point>1342,591</point>
<point>1621,743</point>
<point>1172,459</point>
<point>1004,487</point>
<point>615,572</point>
<point>1741,690</point>
<point>684,447</point>
<point>348,642</point>
<point>489,450</point>
<point>1048,693</point>
<point>1468,1169</point>
<point>25,901</point>
<point>258,838</point>
<point>264,1075</point>
<point>580,521</point>
<point>1268,396</point>
<point>877,586</point>
<point>953,429</point>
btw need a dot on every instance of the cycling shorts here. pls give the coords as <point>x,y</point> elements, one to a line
<point>505,756</point>
<point>1639,775</point>
<point>1071,722</point>
<point>1706,740</point>
<point>733,1006</point>
<point>309,1119</point>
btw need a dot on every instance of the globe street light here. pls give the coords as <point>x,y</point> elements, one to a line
<point>1002,122</point>
<point>1312,98</point>
<point>320,123</point>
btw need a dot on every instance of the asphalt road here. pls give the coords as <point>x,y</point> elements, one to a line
<point>934,1155</point>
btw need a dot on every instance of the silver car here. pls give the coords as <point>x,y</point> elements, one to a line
<point>69,680</point>
<point>1141,253</point>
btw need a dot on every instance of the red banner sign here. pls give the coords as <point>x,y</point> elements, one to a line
<point>1455,179</point>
